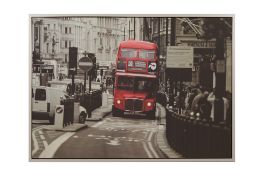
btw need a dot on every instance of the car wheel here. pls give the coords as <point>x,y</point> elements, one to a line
<point>82,118</point>
<point>151,115</point>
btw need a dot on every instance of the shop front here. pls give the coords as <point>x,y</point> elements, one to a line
<point>204,51</point>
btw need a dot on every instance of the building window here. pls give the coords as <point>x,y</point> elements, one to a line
<point>65,44</point>
<point>47,46</point>
<point>70,30</point>
<point>65,29</point>
<point>65,58</point>
<point>101,41</point>
<point>69,43</point>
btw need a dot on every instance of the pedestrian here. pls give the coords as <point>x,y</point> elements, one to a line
<point>191,97</point>
<point>229,110</point>
<point>205,106</point>
<point>195,102</point>
<point>211,99</point>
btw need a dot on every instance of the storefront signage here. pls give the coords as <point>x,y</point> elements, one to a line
<point>199,44</point>
<point>179,57</point>
<point>45,68</point>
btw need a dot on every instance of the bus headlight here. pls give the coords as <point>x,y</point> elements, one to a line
<point>118,102</point>
<point>149,104</point>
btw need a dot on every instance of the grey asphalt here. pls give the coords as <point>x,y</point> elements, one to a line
<point>115,138</point>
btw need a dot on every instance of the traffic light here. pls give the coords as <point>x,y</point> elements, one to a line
<point>72,60</point>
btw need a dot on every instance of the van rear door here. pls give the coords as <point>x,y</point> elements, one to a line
<point>40,102</point>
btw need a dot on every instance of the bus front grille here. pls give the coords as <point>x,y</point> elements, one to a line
<point>133,105</point>
<point>129,105</point>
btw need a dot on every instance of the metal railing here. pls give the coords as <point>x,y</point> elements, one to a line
<point>91,100</point>
<point>195,138</point>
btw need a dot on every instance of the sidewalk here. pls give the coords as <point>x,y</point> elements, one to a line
<point>99,113</point>
<point>161,134</point>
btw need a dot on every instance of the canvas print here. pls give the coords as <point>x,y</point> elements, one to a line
<point>135,88</point>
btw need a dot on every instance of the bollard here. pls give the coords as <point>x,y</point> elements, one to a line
<point>104,99</point>
<point>76,112</point>
<point>59,117</point>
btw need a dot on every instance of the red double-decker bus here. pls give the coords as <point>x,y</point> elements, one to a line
<point>136,78</point>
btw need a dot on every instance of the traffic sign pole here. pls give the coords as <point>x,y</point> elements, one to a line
<point>85,83</point>
<point>89,81</point>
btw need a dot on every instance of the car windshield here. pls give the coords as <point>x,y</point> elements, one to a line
<point>139,84</point>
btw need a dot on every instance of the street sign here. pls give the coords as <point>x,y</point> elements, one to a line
<point>85,63</point>
<point>179,57</point>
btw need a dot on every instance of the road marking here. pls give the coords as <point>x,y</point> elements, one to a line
<point>114,142</point>
<point>98,124</point>
<point>41,136</point>
<point>45,143</point>
<point>50,150</point>
<point>147,151</point>
<point>36,147</point>
<point>151,146</point>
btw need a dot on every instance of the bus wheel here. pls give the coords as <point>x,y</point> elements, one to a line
<point>82,118</point>
<point>116,112</point>
<point>151,115</point>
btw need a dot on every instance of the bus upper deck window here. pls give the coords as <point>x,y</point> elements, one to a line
<point>128,53</point>
<point>150,54</point>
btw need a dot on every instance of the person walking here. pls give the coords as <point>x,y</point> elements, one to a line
<point>195,102</point>
<point>211,99</point>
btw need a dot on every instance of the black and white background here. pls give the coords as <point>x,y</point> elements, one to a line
<point>14,30</point>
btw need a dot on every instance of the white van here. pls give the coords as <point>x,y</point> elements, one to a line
<point>44,101</point>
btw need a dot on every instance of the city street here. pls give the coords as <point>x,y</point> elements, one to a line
<point>114,137</point>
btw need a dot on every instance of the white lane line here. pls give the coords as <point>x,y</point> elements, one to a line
<point>50,150</point>
<point>40,132</point>
<point>36,147</point>
<point>42,137</point>
<point>98,124</point>
<point>39,127</point>
<point>147,151</point>
<point>45,143</point>
<point>151,146</point>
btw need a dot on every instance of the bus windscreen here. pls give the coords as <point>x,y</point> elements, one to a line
<point>137,84</point>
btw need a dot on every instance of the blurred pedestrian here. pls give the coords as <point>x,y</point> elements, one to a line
<point>195,102</point>
<point>204,106</point>
<point>229,110</point>
<point>211,99</point>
